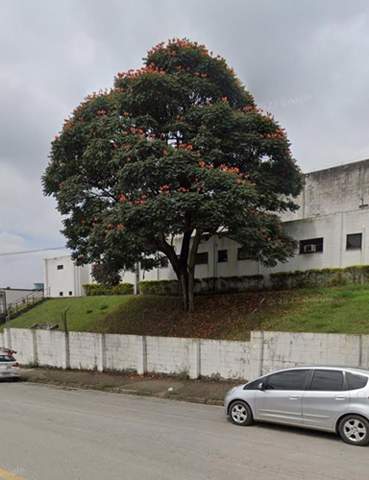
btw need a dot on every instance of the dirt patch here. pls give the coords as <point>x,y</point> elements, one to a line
<point>199,391</point>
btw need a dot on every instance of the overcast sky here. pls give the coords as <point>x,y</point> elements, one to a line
<point>305,61</point>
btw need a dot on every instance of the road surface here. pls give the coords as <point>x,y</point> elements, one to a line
<point>48,433</point>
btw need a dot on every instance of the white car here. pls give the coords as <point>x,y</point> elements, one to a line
<point>9,367</point>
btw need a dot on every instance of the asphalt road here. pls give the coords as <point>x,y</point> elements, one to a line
<point>53,434</point>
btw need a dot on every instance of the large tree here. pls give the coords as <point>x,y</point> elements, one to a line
<point>177,149</point>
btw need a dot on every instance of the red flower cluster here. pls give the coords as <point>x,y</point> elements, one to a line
<point>225,168</point>
<point>185,146</point>
<point>164,189</point>
<point>279,134</point>
<point>141,71</point>
<point>203,164</point>
<point>101,112</point>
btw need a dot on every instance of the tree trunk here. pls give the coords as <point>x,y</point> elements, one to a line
<point>186,280</point>
<point>184,290</point>
<point>191,285</point>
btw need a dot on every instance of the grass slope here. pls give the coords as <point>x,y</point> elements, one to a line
<point>81,312</point>
<point>332,310</point>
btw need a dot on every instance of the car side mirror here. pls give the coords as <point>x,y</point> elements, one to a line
<point>261,386</point>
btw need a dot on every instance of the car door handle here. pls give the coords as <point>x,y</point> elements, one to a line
<point>341,398</point>
<point>295,397</point>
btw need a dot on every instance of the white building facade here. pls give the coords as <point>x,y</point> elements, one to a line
<point>331,229</point>
<point>62,278</point>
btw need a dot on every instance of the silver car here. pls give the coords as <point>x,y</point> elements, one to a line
<point>8,365</point>
<point>324,398</point>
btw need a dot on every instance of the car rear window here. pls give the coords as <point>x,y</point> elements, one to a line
<point>355,381</point>
<point>327,380</point>
<point>6,358</point>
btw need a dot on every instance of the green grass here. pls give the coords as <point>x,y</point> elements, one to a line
<point>81,312</point>
<point>329,310</point>
<point>342,309</point>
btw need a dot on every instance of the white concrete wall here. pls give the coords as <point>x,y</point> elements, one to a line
<point>65,282</point>
<point>168,355</point>
<point>85,350</point>
<point>285,350</point>
<point>122,352</point>
<point>265,352</point>
<point>333,190</point>
<point>225,359</point>
<point>50,348</point>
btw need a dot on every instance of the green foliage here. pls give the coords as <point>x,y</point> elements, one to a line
<point>176,148</point>
<point>159,287</point>
<point>105,274</point>
<point>96,289</point>
<point>321,277</point>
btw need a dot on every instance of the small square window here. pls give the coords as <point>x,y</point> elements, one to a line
<point>201,258</point>
<point>60,294</point>
<point>70,293</point>
<point>354,241</point>
<point>243,253</point>
<point>60,267</point>
<point>222,256</point>
<point>312,245</point>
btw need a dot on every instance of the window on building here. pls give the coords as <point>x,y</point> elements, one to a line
<point>201,258</point>
<point>59,267</point>
<point>70,293</point>
<point>327,381</point>
<point>354,241</point>
<point>60,294</point>
<point>164,262</point>
<point>244,254</point>
<point>222,256</point>
<point>312,245</point>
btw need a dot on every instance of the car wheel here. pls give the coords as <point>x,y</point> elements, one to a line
<point>240,413</point>
<point>354,429</point>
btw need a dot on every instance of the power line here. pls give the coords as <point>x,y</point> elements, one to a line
<point>25,252</point>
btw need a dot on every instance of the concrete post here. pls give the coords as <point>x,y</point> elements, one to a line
<point>141,355</point>
<point>101,362</point>
<point>66,351</point>
<point>34,347</point>
<point>256,354</point>
<point>195,358</point>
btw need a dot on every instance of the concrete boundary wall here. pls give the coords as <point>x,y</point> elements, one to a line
<point>265,352</point>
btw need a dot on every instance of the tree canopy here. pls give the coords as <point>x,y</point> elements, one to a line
<point>176,148</point>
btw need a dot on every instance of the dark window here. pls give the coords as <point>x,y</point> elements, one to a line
<point>70,293</point>
<point>353,241</point>
<point>244,254</point>
<point>327,380</point>
<point>6,358</point>
<point>312,245</point>
<point>255,384</point>
<point>290,380</point>
<point>60,294</point>
<point>60,267</point>
<point>164,262</point>
<point>222,256</point>
<point>201,258</point>
<point>355,381</point>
